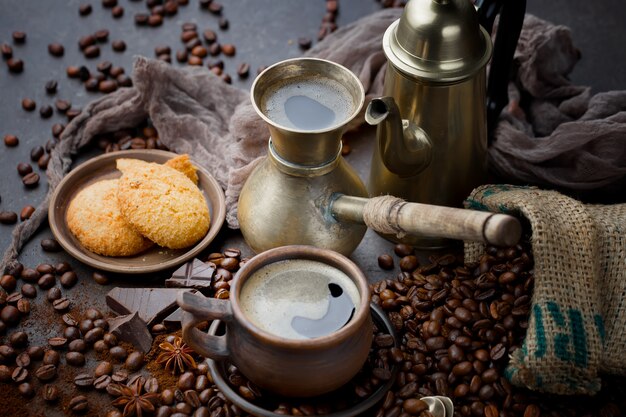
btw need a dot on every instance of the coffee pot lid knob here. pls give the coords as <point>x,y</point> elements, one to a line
<point>438,40</point>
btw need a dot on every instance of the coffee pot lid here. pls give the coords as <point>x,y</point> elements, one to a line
<point>438,40</point>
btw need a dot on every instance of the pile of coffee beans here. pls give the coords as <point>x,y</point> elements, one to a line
<point>458,323</point>
<point>142,137</point>
<point>106,79</point>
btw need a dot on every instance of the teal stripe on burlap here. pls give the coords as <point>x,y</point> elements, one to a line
<point>556,314</point>
<point>579,337</point>
<point>540,351</point>
<point>600,326</point>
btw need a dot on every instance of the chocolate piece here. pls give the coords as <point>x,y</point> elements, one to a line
<point>132,329</point>
<point>152,304</point>
<point>173,320</point>
<point>194,274</point>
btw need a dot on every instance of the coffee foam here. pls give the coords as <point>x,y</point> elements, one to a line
<point>326,91</point>
<point>280,291</point>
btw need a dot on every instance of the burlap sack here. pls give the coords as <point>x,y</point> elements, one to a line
<point>578,315</point>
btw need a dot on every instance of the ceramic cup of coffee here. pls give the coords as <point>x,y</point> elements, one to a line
<point>297,323</point>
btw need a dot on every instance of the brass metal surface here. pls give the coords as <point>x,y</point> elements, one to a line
<point>454,118</point>
<point>285,200</point>
<point>436,55</point>
<point>306,147</point>
<point>278,209</point>
<point>438,40</point>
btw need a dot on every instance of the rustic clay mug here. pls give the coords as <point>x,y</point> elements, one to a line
<point>286,366</point>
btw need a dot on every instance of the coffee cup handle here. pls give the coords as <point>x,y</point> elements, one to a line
<point>198,309</point>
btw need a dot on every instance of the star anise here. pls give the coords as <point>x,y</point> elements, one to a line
<point>176,355</point>
<point>132,399</point>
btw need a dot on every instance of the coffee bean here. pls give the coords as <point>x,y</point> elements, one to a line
<point>23,360</point>
<point>28,104</point>
<point>107,86</point>
<point>57,342</point>
<point>94,335</point>
<point>26,212</point>
<point>68,279</point>
<point>92,84</point>
<point>385,262</point>
<point>29,290</point>
<point>408,263</point>
<point>6,51</point>
<point>62,267</point>
<point>50,393</point>
<point>15,65</point>
<point>8,282</point>
<point>51,357</point>
<point>45,111</point>
<point>30,180</point>
<point>118,353</point>
<point>194,60</point>
<point>61,304</point>
<point>103,368</point>
<point>51,87</point>
<point>215,7</point>
<point>141,19</point>
<point>100,346</point>
<point>403,250</point>
<point>8,217</point>
<point>497,352</point>
<point>42,163</point>
<point>101,35</point>
<point>243,70</point>
<point>100,278</point>
<point>46,372</point>
<point>50,245</point>
<point>102,382</point>
<point>71,333</point>
<point>26,390</point>
<point>304,43</point>
<point>5,373</point>
<point>62,105</point>
<point>119,376</point>
<point>19,36</point>
<point>11,141</point>
<point>7,353</point>
<point>414,406</point>
<point>92,51</point>
<point>117,12</point>
<point>79,403</point>
<point>228,49</point>
<point>19,374</point>
<point>77,345</point>
<point>10,315</point>
<point>84,9</point>
<point>53,294</point>
<point>56,49</point>
<point>134,361</point>
<point>118,45</point>
<point>110,339</point>
<point>23,168</point>
<point>14,297</point>
<point>83,380</point>
<point>170,7</point>
<point>36,153</point>
<point>155,20</point>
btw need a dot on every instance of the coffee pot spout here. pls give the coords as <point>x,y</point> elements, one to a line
<point>404,147</point>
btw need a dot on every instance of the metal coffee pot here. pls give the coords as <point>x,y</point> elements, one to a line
<point>305,193</point>
<point>433,119</point>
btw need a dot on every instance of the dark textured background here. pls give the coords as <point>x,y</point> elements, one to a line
<point>264,31</point>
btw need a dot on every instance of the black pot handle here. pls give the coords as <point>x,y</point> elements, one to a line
<point>509,28</point>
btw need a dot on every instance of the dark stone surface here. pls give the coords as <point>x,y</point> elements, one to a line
<point>264,31</point>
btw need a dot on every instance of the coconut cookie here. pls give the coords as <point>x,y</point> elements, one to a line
<point>161,203</point>
<point>94,218</point>
<point>183,164</point>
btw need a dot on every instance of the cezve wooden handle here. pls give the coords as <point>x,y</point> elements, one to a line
<point>391,215</point>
